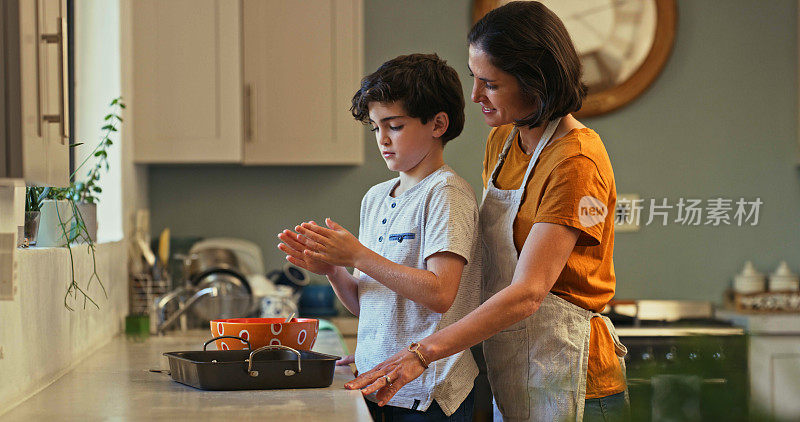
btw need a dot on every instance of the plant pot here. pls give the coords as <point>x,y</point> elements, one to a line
<point>89,214</point>
<point>50,231</point>
<point>31,226</point>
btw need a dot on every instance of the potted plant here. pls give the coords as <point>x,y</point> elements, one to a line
<point>54,212</point>
<point>86,193</point>
<point>69,215</point>
<point>33,203</point>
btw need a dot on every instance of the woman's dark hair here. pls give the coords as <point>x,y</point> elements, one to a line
<point>527,40</point>
<point>425,85</point>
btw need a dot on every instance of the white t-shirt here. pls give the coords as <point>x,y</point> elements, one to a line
<point>438,214</point>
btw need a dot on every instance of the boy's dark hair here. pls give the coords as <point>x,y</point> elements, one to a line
<point>527,40</point>
<point>423,83</point>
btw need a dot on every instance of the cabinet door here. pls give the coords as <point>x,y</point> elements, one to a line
<point>44,150</point>
<point>302,64</point>
<point>55,115</point>
<point>775,375</point>
<point>187,81</point>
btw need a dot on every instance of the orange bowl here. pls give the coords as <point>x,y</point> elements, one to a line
<point>299,333</point>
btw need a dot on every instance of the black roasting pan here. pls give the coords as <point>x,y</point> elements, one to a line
<point>268,367</point>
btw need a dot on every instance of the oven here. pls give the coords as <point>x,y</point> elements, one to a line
<point>682,364</point>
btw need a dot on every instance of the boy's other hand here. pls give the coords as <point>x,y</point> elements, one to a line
<point>334,245</point>
<point>293,247</point>
<point>346,361</point>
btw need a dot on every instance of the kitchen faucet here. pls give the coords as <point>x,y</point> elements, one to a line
<point>161,304</point>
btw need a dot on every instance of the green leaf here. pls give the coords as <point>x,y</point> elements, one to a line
<point>108,117</point>
<point>119,118</point>
<point>107,127</point>
<point>98,153</point>
<point>114,101</point>
<point>75,145</point>
<point>108,142</point>
<point>97,189</point>
<point>121,105</point>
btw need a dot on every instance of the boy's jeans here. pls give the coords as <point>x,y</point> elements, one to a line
<point>433,414</point>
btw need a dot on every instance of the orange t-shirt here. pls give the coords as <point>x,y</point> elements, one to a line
<point>570,169</point>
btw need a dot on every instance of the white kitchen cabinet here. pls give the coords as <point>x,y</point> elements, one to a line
<point>256,82</point>
<point>775,374</point>
<point>302,64</point>
<point>773,362</point>
<point>36,99</point>
<point>187,87</point>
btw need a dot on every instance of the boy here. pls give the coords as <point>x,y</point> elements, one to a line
<point>417,258</point>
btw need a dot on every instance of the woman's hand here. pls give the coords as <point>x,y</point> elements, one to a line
<point>293,247</point>
<point>334,245</point>
<point>401,369</point>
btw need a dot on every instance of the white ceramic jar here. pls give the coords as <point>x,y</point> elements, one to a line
<point>749,280</point>
<point>783,279</point>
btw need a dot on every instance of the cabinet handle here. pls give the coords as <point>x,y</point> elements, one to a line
<point>39,116</point>
<point>61,117</point>
<point>64,59</point>
<point>248,113</point>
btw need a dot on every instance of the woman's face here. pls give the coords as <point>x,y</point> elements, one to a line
<point>495,90</point>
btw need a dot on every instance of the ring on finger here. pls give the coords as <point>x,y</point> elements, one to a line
<point>388,380</point>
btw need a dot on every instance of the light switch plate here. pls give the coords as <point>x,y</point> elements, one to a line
<point>628,213</point>
<point>8,266</point>
<point>12,215</point>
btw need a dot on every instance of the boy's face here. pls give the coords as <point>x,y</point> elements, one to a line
<point>404,142</point>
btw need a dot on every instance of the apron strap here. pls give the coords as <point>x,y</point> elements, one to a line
<point>549,130</point>
<point>547,136</point>
<point>502,156</point>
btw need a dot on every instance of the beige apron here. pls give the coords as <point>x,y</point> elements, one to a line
<point>536,367</point>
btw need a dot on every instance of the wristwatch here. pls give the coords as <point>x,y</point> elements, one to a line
<point>414,347</point>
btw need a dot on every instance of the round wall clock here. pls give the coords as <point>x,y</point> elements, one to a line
<point>622,44</point>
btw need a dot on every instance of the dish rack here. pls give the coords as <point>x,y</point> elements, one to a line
<point>145,290</point>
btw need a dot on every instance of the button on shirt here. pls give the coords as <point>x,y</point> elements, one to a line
<point>438,214</point>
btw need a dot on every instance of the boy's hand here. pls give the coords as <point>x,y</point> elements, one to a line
<point>347,360</point>
<point>293,247</point>
<point>334,245</point>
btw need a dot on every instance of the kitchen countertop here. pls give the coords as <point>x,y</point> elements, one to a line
<point>114,383</point>
<point>678,331</point>
<point>763,324</point>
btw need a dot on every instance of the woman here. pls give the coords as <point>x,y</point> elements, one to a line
<point>547,231</point>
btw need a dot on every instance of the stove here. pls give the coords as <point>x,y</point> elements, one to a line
<point>682,363</point>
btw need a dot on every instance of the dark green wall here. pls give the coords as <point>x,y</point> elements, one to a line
<point>720,121</point>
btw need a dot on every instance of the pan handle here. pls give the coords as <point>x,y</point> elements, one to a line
<point>288,372</point>
<point>233,337</point>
